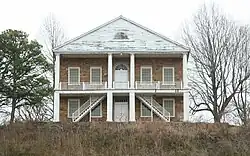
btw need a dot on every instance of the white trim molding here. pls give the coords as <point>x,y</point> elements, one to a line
<point>90,77</point>
<point>163,75</point>
<point>78,103</point>
<point>146,67</point>
<point>79,76</point>
<point>172,99</point>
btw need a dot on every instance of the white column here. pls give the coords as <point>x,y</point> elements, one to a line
<point>186,106</point>
<point>110,67</point>
<point>56,107</point>
<point>109,106</point>
<point>132,107</point>
<point>132,71</point>
<point>184,70</point>
<point>185,86</point>
<point>57,72</point>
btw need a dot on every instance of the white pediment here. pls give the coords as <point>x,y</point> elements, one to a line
<point>120,34</point>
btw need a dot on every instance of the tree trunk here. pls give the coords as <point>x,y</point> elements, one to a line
<point>217,118</point>
<point>12,113</point>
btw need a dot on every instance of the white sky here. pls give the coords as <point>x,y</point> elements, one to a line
<point>78,16</point>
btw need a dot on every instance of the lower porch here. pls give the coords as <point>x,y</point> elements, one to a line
<point>121,110</point>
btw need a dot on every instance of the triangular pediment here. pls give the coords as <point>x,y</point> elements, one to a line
<point>120,34</point>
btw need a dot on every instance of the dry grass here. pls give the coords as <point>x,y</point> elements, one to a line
<point>110,139</point>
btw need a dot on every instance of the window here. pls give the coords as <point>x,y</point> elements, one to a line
<point>121,67</point>
<point>73,105</point>
<point>95,75</point>
<point>121,36</point>
<point>168,75</point>
<point>74,75</point>
<point>145,111</point>
<point>169,105</point>
<point>146,74</point>
<point>97,111</point>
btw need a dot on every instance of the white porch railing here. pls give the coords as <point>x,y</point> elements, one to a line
<point>83,86</point>
<point>158,85</point>
<point>120,85</point>
<point>86,107</point>
<point>156,107</point>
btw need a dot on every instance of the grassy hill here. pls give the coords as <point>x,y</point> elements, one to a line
<point>113,139</point>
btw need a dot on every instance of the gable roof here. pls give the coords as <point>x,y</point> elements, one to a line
<point>138,38</point>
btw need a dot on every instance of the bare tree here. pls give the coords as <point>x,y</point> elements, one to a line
<point>217,45</point>
<point>53,34</point>
<point>241,100</point>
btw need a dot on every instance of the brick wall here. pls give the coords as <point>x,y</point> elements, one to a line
<point>64,108</point>
<point>157,64</point>
<point>178,106</point>
<point>159,99</point>
<point>86,63</point>
<point>104,112</point>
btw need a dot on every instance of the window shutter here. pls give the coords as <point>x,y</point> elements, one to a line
<point>168,75</point>
<point>146,74</point>
<point>74,76</point>
<point>95,75</point>
<point>169,106</point>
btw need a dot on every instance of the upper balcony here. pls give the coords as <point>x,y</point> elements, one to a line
<point>121,85</point>
<point>120,72</point>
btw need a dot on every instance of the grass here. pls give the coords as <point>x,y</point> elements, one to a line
<point>114,139</point>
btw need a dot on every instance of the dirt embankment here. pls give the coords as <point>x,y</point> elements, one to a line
<point>113,139</point>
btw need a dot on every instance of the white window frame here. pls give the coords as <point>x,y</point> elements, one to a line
<point>146,107</point>
<point>91,74</point>
<point>78,100</point>
<point>100,116</point>
<point>163,103</point>
<point>146,67</point>
<point>163,73</point>
<point>69,82</point>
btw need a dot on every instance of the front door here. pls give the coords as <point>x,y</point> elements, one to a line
<point>121,111</point>
<point>121,76</point>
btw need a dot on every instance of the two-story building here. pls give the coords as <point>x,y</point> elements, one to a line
<point>121,71</point>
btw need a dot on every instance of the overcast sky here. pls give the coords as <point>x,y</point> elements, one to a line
<point>78,16</point>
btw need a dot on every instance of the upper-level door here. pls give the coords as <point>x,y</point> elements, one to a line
<point>121,77</point>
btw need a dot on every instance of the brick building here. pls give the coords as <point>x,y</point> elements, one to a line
<point>118,72</point>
